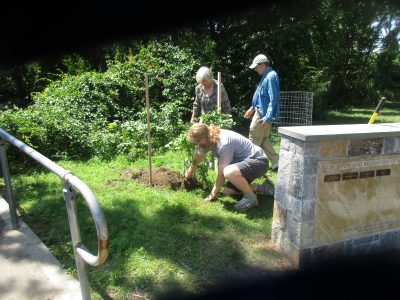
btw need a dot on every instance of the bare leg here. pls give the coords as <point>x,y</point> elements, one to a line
<point>233,174</point>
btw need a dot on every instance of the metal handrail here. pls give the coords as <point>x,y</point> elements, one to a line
<point>82,255</point>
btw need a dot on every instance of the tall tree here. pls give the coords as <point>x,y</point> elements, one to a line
<point>387,77</point>
<point>322,46</point>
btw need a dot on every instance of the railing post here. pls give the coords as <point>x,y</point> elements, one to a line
<point>81,254</point>
<point>7,183</point>
<point>76,239</point>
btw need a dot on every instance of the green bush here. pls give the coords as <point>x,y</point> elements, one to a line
<point>104,114</point>
<point>181,145</point>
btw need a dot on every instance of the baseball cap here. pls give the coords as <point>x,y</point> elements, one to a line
<point>261,58</point>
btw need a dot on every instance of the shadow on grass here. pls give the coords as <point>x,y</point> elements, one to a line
<point>392,104</point>
<point>333,278</point>
<point>262,211</point>
<point>337,120</point>
<point>201,244</point>
<point>391,109</point>
<point>181,239</point>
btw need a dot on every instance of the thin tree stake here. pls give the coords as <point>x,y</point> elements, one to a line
<point>148,127</point>
<point>219,110</point>
<point>219,92</point>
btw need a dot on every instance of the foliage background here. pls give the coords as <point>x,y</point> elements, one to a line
<point>92,103</point>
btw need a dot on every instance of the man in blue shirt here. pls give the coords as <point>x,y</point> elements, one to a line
<point>265,107</point>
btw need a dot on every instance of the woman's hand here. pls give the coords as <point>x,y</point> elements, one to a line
<point>189,173</point>
<point>210,198</point>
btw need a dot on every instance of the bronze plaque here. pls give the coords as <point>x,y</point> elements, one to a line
<point>348,176</point>
<point>367,174</point>
<point>330,178</point>
<point>384,172</point>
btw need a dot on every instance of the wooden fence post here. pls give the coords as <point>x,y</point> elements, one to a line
<point>148,127</point>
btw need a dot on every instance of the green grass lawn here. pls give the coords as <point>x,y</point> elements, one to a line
<point>160,240</point>
<point>390,113</point>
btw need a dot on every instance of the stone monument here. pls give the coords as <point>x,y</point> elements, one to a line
<point>337,191</point>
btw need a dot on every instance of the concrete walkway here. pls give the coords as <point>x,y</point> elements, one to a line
<point>28,269</point>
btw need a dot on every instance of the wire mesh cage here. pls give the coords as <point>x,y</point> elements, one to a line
<point>295,110</point>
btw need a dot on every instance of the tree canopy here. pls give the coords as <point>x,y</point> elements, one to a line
<point>346,52</point>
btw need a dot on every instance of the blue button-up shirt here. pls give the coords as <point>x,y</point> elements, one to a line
<point>267,96</point>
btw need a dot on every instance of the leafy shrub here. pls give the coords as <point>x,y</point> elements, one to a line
<point>181,145</point>
<point>220,119</point>
<point>104,114</point>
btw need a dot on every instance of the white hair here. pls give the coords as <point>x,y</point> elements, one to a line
<point>204,74</point>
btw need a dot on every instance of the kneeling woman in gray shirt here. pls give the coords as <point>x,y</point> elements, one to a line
<point>239,161</point>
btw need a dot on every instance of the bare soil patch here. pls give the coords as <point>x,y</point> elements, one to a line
<point>161,178</point>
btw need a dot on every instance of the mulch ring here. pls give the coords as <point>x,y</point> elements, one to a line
<point>161,178</point>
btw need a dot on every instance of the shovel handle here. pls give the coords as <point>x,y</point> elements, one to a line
<point>377,110</point>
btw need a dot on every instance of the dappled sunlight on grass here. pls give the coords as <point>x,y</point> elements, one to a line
<point>159,239</point>
<point>390,113</point>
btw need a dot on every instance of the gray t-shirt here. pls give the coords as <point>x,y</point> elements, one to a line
<point>233,147</point>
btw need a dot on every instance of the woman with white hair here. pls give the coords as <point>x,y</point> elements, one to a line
<point>206,93</point>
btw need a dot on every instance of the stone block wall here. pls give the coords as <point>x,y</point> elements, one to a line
<point>297,229</point>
